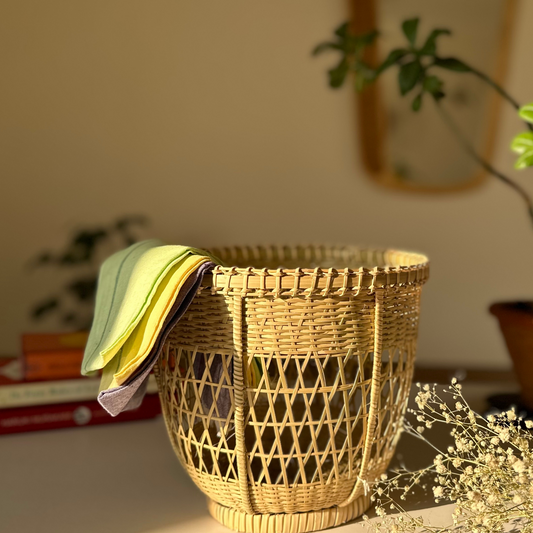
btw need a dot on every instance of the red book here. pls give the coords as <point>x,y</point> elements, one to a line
<point>75,414</point>
<point>11,370</point>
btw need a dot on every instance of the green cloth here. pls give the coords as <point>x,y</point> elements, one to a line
<point>127,283</point>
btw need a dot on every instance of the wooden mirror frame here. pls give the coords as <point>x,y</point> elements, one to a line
<point>371,115</point>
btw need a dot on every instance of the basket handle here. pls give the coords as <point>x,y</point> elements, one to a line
<point>375,392</point>
<point>238,388</point>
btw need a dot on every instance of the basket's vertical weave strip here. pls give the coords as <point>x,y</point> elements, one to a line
<point>375,390</point>
<point>238,381</point>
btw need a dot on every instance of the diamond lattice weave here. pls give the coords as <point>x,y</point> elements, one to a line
<point>283,388</point>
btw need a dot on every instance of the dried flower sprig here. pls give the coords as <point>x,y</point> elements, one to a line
<point>487,473</point>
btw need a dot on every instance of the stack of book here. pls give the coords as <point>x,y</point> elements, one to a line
<point>44,389</point>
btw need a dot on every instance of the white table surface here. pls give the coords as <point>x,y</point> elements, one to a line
<point>120,478</point>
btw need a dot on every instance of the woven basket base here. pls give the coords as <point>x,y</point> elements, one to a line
<point>287,523</point>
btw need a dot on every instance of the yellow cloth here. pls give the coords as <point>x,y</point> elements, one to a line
<point>142,339</point>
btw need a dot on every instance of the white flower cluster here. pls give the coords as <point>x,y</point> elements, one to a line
<point>487,473</point>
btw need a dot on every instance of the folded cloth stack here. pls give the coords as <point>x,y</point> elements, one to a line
<point>142,293</point>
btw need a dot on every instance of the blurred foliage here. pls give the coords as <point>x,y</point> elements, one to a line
<point>415,63</point>
<point>523,143</point>
<point>419,65</point>
<point>75,302</point>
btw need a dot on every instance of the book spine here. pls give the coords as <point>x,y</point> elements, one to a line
<point>44,342</point>
<point>48,392</point>
<point>74,414</point>
<point>51,392</point>
<point>53,365</point>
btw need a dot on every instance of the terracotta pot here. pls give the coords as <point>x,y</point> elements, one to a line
<point>516,323</point>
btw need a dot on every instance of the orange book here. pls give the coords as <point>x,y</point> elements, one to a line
<point>46,342</point>
<point>63,364</point>
<point>49,356</point>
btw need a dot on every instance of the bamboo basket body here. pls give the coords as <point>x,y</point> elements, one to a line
<point>283,389</point>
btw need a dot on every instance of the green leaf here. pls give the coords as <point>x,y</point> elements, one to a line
<point>417,103</point>
<point>525,160</point>
<point>342,30</point>
<point>44,259</point>
<point>410,28</point>
<point>367,39</point>
<point>322,47</point>
<point>522,142</point>
<point>364,75</point>
<point>451,63</point>
<point>430,46</point>
<point>393,57</point>
<point>432,84</point>
<point>337,75</point>
<point>360,83</point>
<point>44,308</point>
<point>526,112</point>
<point>355,44</point>
<point>409,75</point>
<point>83,289</point>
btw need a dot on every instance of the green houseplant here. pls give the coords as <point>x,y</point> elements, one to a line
<point>79,259</point>
<point>419,63</point>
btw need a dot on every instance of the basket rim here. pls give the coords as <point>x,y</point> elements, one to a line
<point>323,280</point>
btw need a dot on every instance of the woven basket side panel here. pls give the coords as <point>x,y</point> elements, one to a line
<point>197,395</point>
<point>307,413</point>
<point>401,318</point>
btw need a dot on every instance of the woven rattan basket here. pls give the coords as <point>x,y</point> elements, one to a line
<point>284,385</point>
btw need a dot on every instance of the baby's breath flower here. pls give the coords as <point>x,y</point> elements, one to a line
<point>504,434</point>
<point>519,466</point>
<point>487,473</point>
<point>438,492</point>
<point>441,469</point>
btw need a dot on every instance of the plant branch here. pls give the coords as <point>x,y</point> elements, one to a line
<point>485,164</point>
<point>496,87</point>
<point>499,90</point>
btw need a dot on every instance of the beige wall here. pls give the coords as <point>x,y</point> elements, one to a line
<point>213,119</point>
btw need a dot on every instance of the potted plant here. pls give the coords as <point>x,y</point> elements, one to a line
<point>418,64</point>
